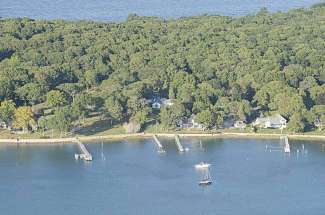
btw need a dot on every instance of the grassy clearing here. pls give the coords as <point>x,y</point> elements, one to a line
<point>95,126</point>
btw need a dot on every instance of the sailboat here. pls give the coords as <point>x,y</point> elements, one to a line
<point>206,178</point>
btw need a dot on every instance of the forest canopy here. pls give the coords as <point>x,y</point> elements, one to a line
<point>211,66</point>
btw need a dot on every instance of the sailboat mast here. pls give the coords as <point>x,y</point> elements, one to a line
<point>206,174</point>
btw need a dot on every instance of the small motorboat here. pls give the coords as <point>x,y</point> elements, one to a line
<point>206,178</point>
<point>202,165</point>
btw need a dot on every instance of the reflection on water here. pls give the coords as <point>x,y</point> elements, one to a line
<point>130,177</point>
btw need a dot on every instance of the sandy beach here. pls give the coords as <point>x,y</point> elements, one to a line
<point>170,135</point>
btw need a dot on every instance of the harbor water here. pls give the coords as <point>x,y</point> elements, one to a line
<point>131,177</point>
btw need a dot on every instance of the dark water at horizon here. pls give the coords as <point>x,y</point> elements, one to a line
<point>118,10</point>
<point>132,178</point>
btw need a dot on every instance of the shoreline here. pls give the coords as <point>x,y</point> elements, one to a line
<point>71,140</point>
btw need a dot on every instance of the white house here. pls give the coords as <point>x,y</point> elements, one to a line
<point>157,102</point>
<point>275,121</point>
<point>240,124</point>
<point>189,123</point>
<point>156,105</point>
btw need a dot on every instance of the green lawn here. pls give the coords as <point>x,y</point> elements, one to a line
<point>95,126</point>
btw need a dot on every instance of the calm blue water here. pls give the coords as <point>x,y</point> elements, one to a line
<point>118,10</point>
<point>132,178</point>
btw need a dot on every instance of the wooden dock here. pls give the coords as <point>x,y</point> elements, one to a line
<point>160,147</point>
<point>178,144</point>
<point>85,155</point>
<point>286,146</point>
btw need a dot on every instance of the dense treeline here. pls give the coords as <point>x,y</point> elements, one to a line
<point>212,66</point>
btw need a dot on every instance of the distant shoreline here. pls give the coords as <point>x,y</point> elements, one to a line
<point>69,140</point>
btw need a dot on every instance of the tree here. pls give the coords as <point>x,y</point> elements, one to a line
<point>204,97</point>
<point>23,118</point>
<point>266,95</point>
<point>318,94</point>
<point>206,118</point>
<point>186,93</point>
<point>170,116</point>
<point>319,112</point>
<point>71,89</point>
<point>322,121</point>
<point>141,117</point>
<point>240,67</point>
<point>114,108</point>
<point>308,83</point>
<point>43,124</point>
<point>244,110</point>
<point>294,74</point>
<point>32,93</point>
<point>236,92</point>
<point>224,104</point>
<point>61,120</point>
<point>135,105</point>
<point>287,104</point>
<point>91,78</point>
<point>219,119</point>
<point>80,106</point>
<point>297,123</point>
<point>7,110</point>
<point>56,99</point>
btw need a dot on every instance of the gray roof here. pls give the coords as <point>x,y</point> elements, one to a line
<point>275,119</point>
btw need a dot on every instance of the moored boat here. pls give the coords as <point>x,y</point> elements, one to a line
<point>205,182</point>
<point>206,177</point>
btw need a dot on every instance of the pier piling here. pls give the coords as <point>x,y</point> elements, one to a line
<point>160,147</point>
<point>286,146</point>
<point>85,155</point>
<point>178,144</point>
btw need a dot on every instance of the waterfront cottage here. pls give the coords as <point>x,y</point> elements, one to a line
<point>240,124</point>
<point>157,102</point>
<point>275,121</point>
<point>189,123</point>
<point>156,105</point>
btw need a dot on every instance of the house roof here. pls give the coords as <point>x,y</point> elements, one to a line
<point>240,123</point>
<point>157,99</point>
<point>275,119</point>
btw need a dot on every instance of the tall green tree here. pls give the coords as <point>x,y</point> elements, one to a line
<point>24,118</point>
<point>7,110</point>
<point>170,115</point>
<point>56,99</point>
<point>297,123</point>
<point>114,108</point>
<point>61,120</point>
<point>207,118</point>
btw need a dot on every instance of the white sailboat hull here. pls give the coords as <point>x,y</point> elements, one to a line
<point>205,183</point>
